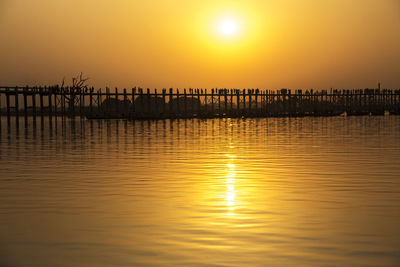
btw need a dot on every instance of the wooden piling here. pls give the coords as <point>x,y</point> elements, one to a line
<point>148,101</point>
<point>177,102</point>
<point>256,95</point>
<point>231,107</point>
<point>185,99</point>
<point>263,103</point>
<point>80,104</point>
<point>91,101</point>
<point>133,101</point>
<point>1,111</point>
<point>170,108</point>
<point>205,101</point>
<point>16,103</point>
<point>244,101</point>
<point>198,103</point>
<point>155,101</point>
<point>25,103</point>
<point>164,104</point>
<point>237,102</point>
<point>219,101</point>
<point>56,102</point>
<point>8,103</point>
<point>83,105</point>
<point>107,101</point>
<point>116,101</point>
<point>250,101</point>
<point>141,97</point>
<point>192,106</point>
<point>125,102</point>
<point>212,101</point>
<point>71,102</point>
<point>41,101</point>
<point>226,101</point>
<point>49,95</point>
<point>61,94</point>
<point>66,109</point>
<point>99,101</point>
<point>34,104</point>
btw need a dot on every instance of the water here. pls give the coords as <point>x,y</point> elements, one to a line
<point>221,192</point>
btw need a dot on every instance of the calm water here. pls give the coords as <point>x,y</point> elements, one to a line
<point>222,192</point>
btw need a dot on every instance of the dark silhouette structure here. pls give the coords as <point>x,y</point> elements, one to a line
<point>189,105</point>
<point>116,107</point>
<point>136,104</point>
<point>149,105</point>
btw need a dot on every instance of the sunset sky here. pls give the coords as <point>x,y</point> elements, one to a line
<point>204,44</point>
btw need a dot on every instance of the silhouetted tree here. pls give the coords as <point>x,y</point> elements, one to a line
<point>72,92</point>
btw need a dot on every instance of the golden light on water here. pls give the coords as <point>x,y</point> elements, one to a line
<point>230,188</point>
<point>198,192</point>
<point>222,192</point>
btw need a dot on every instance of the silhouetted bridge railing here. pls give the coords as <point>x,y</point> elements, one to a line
<point>188,103</point>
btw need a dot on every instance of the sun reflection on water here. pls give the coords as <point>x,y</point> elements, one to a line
<point>230,181</point>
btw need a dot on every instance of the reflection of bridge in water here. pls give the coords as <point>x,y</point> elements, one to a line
<point>190,103</point>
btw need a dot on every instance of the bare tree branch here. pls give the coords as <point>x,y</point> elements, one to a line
<point>78,86</point>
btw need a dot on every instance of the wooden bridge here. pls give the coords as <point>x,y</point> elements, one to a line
<point>136,103</point>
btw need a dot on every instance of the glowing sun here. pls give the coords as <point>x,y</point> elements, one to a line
<point>228,27</point>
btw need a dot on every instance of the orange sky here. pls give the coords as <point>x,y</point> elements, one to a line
<point>176,43</point>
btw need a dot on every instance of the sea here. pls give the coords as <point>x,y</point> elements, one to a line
<point>312,191</point>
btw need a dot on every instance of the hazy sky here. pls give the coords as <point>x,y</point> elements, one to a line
<point>178,43</point>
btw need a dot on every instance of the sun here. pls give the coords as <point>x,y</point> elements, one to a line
<point>228,27</point>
